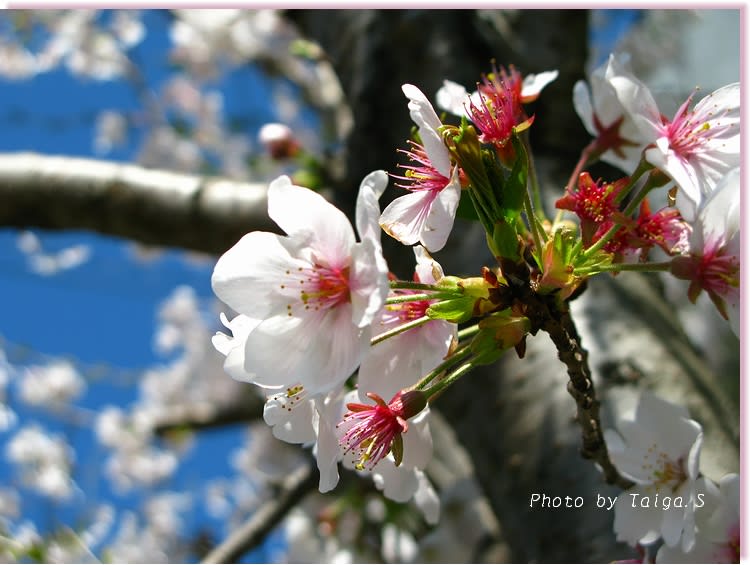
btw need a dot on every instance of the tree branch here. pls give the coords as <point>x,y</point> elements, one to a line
<point>207,214</point>
<point>264,520</point>
<point>205,415</point>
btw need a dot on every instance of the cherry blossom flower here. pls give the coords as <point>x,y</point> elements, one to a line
<point>425,215</point>
<point>316,289</point>
<point>594,202</point>
<point>713,263</point>
<point>399,361</point>
<point>619,139</point>
<point>717,539</point>
<point>664,228</point>
<point>373,431</point>
<point>45,461</point>
<point>659,450</point>
<point>452,97</point>
<point>697,147</point>
<point>53,385</point>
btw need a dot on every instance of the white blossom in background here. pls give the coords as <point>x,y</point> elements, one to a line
<point>605,118</point>
<point>44,461</point>
<point>207,41</point>
<point>7,415</point>
<point>9,506</point>
<point>659,450</point>
<point>398,545</point>
<point>87,46</point>
<point>263,457</point>
<point>51,386</point>
<point>46,263</point>
<point>16,62</point>
<point>111,131</point>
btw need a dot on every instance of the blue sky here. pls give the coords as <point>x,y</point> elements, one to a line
<point>101,313</point>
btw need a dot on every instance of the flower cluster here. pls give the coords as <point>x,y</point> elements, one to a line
<point>351,357</point>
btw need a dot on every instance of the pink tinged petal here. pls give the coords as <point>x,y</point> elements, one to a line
<point>442,213</point>
<point>634,524</point>
<point>368,208</point>
<point>534,83</point>
<point>423,114</point>
<point>247,277</point>
<point>451,97</point>
<point>368,282</point>
<point>300,210</point>
<point>404,218</point>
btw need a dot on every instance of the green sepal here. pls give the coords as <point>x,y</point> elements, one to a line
<point>498,332</point>
<point>397,448</point>
<point>454,310</point>
<point>504,240</point>
<point>485,349</point>
<point>515,187</point>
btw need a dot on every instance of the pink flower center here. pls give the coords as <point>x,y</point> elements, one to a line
<point>715,271</point>
<point>408,311</point>
<point>320,287</point>
<point>373,430</point>
<point>421,176</point>
<point>666,472</point>
<point>690,130</point>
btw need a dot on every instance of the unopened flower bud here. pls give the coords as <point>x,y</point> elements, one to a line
<point>279,141</point>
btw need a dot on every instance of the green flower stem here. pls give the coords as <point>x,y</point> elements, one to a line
<point>399,329</point>
<point>586,158</point>
<point>457,356</point>
<point>617,267</point>
<point>534,225</point>
<point>468,332</point>
<point>401,298</point>
<point>536,195</point>
<point>441,385</point>
<point>643,167</point>
<point>411,285</point>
